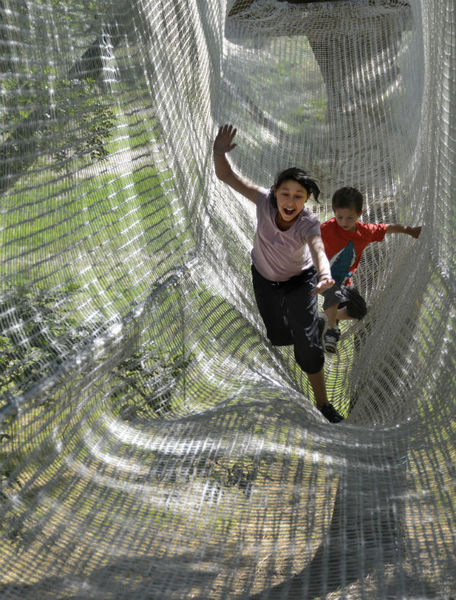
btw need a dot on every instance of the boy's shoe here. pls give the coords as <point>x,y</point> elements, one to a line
<point>332,336</point>
<point>328,411</point>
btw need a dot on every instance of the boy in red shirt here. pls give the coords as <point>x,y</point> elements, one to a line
<point>345,238</point>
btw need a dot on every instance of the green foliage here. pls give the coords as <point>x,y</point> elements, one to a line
<point>38,332</point>
<point>82,120</point>
<point>144,382</point>
<point>66,119</point>
<point>34,332</point>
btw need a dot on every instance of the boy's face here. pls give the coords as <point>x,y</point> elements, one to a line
<point>346,218</point>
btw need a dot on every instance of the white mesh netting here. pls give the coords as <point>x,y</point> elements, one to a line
<point>153,444</point>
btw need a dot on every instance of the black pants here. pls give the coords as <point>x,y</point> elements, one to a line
<point>290,314</point>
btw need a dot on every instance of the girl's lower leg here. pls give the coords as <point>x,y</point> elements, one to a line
<point>317,381</point>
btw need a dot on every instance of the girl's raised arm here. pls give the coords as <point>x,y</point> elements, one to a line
<point>223,144</point>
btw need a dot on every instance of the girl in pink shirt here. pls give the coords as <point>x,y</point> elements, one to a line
<point>289,264</point>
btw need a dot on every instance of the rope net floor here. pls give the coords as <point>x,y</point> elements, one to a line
<point>153,444</point>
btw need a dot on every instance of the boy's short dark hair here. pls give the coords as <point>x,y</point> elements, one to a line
<point>301,177</point>
<point>348,197</point>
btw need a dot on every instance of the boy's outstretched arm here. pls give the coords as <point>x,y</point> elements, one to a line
<point>321,263</point>
<point>413,231</point>
<point>223,144</point>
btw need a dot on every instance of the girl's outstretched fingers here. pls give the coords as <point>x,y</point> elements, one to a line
<point>224,141</point>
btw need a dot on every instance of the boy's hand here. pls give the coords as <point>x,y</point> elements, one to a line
<point>414,231</point>
<point>323,284</point>
<point>224,141</point>
<point>396,228</point>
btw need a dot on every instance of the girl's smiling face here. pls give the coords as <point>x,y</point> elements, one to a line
<point>291,197</point>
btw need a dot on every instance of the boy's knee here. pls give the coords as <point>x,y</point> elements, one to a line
<point>332,297</point>
<point>356,305</point>
<point>356,312</point>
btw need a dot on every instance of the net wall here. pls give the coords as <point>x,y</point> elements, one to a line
<point>153,443</point>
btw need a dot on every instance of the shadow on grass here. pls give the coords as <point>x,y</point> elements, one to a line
<point>151,578</point>
<point>365,537</point>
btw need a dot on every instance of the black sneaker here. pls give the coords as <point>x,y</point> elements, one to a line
<point>332,336</point>
<point>328,411</point>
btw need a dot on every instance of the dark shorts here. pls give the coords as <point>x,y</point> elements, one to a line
<point>290,314</point>
<point>345,296</point>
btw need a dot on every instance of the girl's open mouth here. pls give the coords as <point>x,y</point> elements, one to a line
<point>288,211</point>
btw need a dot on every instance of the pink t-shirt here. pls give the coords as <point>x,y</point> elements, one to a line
<point>279,255</point>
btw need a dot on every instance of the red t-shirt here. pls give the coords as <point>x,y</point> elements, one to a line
<point>344,248</point>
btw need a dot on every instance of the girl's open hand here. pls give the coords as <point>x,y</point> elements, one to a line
<point>224,141</point>
<point>324,284</point>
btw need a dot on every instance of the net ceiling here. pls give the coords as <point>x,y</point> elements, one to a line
<point>154,445</point>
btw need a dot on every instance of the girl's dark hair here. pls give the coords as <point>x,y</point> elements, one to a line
<point>301,177</point>
<point>348,197</point>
